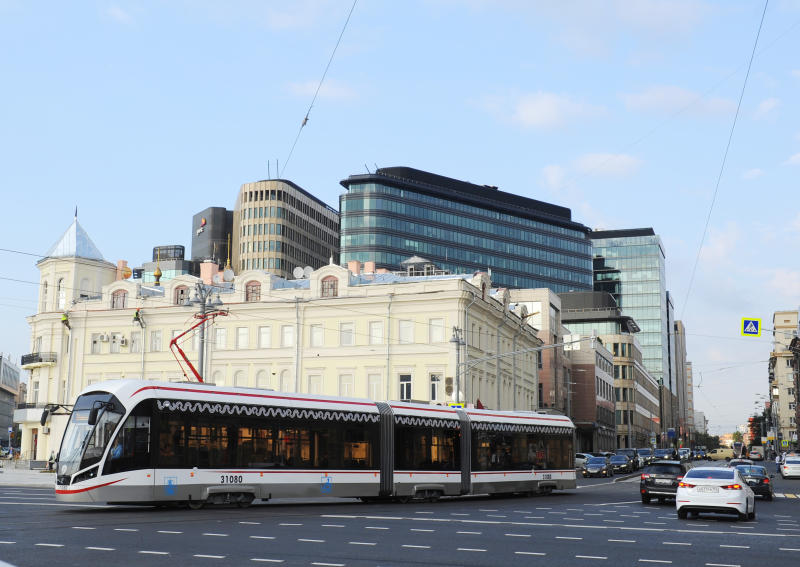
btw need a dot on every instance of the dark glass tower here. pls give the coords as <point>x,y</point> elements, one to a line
<point>398,212</point>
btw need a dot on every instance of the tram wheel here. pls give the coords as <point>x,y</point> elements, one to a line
<point>404,499</point>
<point>195,504</point>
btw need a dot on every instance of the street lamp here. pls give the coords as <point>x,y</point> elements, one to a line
<point>458,341</point>
<point>202,298</point>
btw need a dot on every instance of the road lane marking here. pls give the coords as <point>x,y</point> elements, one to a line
<point>675,543</point>
<point>487,510</point>
<point>656,523</point>
<point>469,533</point>
<point>534,517</point>
<point>362,543</point>
<point>333,525</point>
<point>469,549</point>
<point>7,542</point>
<point>126,529</point>
<point>262,560</point>
<point>530,553</point>
<point>567,537</point>
<point>168,532</point>
<point>284,524</point>
<point>590,557</point>
<point>574,519</point>
<point>423,512</point>
<point>375,528</point>
<point>201,556</point>
<point>525,511</point>
<point>154,552</point>
<point>788,549</point>
<point>495,516</point>
<point>82,528</point>
<point>654,561</point>
<point>518,535</point>
<point>311,540</point>
<point>50,544</point>
<point>592,514</point>
<point>615,521</point>
<point>421,530</point>
<point>100,548</point>
<point>261,537</point>
<point>722,565</point>
<point>216,535</point>
<point>251,523</point>
<point>623,540</point>
<point>329,564</point>
<point>416,546</point>
<point>736,546</point>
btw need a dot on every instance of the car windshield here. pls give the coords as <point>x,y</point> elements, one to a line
<point>619,459</point>
<point>793,461</point>
<point>663,469</point>
<point>83,444</point>
<point>752,471</point>
<point>720,474</point>
<point>663,451</point>
<point>645,452</point>
<point>596,461</point>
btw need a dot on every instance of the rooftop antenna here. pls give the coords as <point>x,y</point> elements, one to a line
<point>365,167</point>
<point>269,175</point>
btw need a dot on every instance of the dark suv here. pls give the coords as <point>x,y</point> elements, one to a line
<point>632,454</point>
<point>660,480</point>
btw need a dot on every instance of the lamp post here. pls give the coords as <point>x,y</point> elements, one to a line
<point>458,341</point>
<point>202,297</point>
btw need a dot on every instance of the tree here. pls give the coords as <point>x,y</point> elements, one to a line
<point>737,436</point>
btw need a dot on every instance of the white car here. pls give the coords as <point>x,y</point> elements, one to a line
<point>790,467</point>
<point>714,489</point>
<point>580,458</point>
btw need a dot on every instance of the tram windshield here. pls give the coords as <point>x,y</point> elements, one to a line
<point>83,444</point>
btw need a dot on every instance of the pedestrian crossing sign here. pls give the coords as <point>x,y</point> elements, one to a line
<point>751,327</point>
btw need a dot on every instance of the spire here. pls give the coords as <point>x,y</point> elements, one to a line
<point>75,242</point>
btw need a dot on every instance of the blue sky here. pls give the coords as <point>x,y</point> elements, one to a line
<point>144,113</point>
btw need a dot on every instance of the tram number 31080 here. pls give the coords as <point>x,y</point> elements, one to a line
<point>231,479</point>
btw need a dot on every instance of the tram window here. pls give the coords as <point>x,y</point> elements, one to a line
<point>131,447</point>
<point>426,448</point>
<point>495,450</point>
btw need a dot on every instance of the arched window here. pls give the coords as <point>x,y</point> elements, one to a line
<point>217,379</point>
<point>330,286</point>
<point>252,291</point>
<point>262,379</point>
<point>239,378</point>
<point>181,295</point>
<point>119,299</point>
<point>85,289</point>
<point>287,385</point>
<point>61,295</point>
<point>44,296</point>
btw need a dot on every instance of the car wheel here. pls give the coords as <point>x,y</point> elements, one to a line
<point>681,513</point>
<point>752,515</point>
<point>742,517</point>
<point>768,497</point>
<point>645,499</point>
<point>660,500</point>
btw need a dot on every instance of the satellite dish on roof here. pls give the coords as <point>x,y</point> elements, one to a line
<point>307,271</point>
<point>297,273</point>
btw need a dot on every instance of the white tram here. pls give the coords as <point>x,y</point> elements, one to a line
<point>144,442</point>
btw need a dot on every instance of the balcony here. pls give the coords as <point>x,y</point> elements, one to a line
<point>38,359</point>
<point>28,413</point>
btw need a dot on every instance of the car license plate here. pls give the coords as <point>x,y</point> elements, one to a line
<point>663,481</point>
<point>709,489</point>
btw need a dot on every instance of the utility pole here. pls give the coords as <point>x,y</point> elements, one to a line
<point>202,298</point>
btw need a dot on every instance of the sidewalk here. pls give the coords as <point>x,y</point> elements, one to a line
<point>10,476</point>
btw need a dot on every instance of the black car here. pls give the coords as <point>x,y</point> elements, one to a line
<point>597,466</point>
<point>632,454</point>
<point>621,464</point>
<point>757,479</point>
<point>660,480</point>
<point>666,454</point>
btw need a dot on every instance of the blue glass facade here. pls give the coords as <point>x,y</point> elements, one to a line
<point>387,219</point>
<point>630,265</point>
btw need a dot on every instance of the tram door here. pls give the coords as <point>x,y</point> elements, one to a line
<point>130,451</point>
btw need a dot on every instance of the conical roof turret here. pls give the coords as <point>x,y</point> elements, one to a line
<point>75,242</point>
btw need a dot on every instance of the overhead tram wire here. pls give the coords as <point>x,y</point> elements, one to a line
<point>724,160</point>
<point>319,86</point>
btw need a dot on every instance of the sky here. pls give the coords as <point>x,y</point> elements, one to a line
<point>143,113</point>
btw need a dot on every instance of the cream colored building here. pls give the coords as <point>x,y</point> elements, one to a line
<point>783,395</point>
<point>338,332</point>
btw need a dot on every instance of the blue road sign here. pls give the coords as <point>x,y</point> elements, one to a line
<point>751,327</point>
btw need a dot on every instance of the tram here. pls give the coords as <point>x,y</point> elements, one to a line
<point>146,442</point>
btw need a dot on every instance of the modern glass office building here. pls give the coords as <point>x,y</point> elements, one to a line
<point>630,265</point>
<point>398,212</point>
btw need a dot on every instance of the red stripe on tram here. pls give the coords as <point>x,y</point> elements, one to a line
<point>246,395</point>
<point>63,491</point>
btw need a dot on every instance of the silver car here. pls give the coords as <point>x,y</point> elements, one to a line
<point>790,467</point>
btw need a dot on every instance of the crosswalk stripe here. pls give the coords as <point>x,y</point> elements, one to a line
<point>791,496</point>
<point>787,495</point>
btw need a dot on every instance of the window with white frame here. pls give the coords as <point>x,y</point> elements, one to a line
<point>217,378</point>
<point>315,384</point>
<point>262,379</point>
<point>242,338</point>
<point>405,387</point>
<point>155,341</point>
<point>287,336</point>
<point>376,332</point>
<point>136,341</point>
<point>61,295</point>
<point>347,334</point>
<point>317,335</point>
<point>287,383</point>
<point>114,342</point>
<point>35,393</point>
<point>375,387</point>
<point>239,378</point>
<point>406,335</point>
<point>95,343</point>
<point>220,338</point>
<point>265,337</point>
<point>346,385</point>
<point>436,384</point>
<point>436,330</point>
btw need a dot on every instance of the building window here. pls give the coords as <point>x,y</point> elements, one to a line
<point>181,295</point>
<point>287,385</point>
<point>115,342</point>
<point>317,335</point>
<point>61,295</point>
<point>155,341</point>
<point>374,387</point>
<point>287,336</point>
<point>262,379</point>
<point>220,339</point>
<point>346,385</point>
<point>436,382</point>
<point>252,291</point>
<point>35,393</point>
<point>239,379</point>
<point>44,296</point>
<point>95,344</point>
<point>242,338</point>
<point>406,336</point>
<point>315,384</point>
<point>330,286</point>
<point>376,332</point>
<point>136,341</point>
<point>119,299</point>
<point>405,387</point>
<point>346,334</point>
<point>265,337</point>
<point>436,331</point>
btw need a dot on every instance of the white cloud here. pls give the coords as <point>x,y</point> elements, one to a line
<point>786,283</point>
<point>670,98</point>
<point>615,165</point>
<point>118,14</point>
<point>721,246</point>
<point>548,110</point>
<point>766,106</point>
<point>752,173</point>
<point>330,89</point>
<point>795,73</point>
<point>794,160</point>
<point>553,176</point>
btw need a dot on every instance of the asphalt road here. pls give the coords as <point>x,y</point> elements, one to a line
<point>601,523</point>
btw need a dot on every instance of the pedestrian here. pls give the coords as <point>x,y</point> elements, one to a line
<point>51,461</point>
<point>777,462</point>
